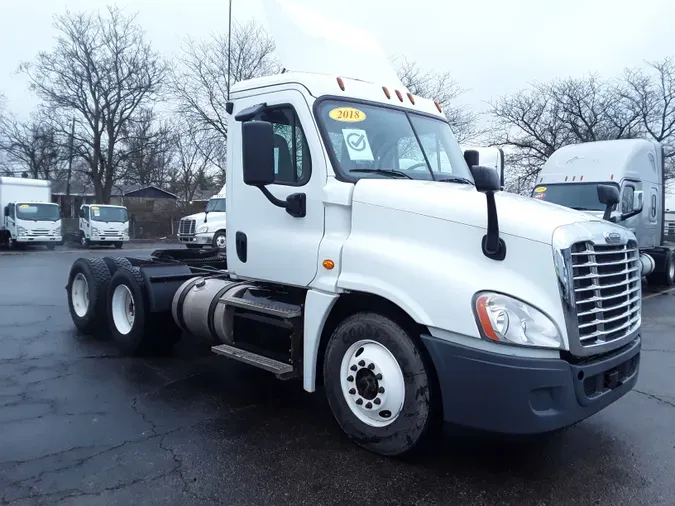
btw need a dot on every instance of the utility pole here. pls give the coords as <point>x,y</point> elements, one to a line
<point>70,157</point>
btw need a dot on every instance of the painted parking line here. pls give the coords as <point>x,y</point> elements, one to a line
<point>652,295</point>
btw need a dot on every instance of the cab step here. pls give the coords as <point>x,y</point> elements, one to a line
<point>261,307</point>
<point>280,369</point>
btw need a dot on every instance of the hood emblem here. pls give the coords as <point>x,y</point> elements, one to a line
<point>612,237</point>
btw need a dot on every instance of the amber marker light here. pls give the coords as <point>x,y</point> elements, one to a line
<point>328,264</point>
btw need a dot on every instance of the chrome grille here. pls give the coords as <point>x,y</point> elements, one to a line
<point>38,232</point>
<point>186,227</point>
<point>607,291</point>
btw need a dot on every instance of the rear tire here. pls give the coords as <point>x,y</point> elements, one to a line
<point>87,285</point>
<point>135,330</point>
<point>116,263</point>
<point>379,386</point>
<point>665,277</point>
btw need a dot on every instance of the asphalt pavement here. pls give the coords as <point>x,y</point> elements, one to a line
<point>82,425</point>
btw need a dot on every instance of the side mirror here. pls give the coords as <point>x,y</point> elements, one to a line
<point>609,196</point>
<point>486,179</point>
<point>471,157</point>
<point>638,201</point>
<point>258,153</point>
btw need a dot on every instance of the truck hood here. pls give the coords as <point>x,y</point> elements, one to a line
<point>518,216</point>
<point>199,217</point>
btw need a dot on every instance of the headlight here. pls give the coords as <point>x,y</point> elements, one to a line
<point>57,231</point>
<point>21,230</point>
<point>94,231</point>
<point>203,229</point>
<point>126,231</point>
<point>507,320</point>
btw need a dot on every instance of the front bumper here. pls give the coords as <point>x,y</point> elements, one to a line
<point>108,238</point>
<point>200,239</point>
<point>517,395</point>
<point>40,239</point>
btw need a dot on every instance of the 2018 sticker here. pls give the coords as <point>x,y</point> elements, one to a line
<point>539,195</point>
<point>347,114</point>
<point>540,189</point>
<point>94,207</point>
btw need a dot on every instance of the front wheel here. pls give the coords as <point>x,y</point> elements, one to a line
<point>669,271</point>
<point>119,245</point>
<point>51,247</point>
<point>84,242</point>
<point>379,386</point>
<point>220,240</point>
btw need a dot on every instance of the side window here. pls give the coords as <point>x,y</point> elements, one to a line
<point>627,199</point>
<point>11,210</point>
<point>85,213</point>
<point>292,161</point>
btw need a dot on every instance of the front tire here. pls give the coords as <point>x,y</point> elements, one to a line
<point>119,245</point>
<point>379,386</point>
<point>220,240</point>
<point>135,330</point>
<point>84,242</point>
<point>51,247</point>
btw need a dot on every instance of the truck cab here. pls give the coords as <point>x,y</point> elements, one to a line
<point>208,228</point>
<point>368,254</point>
<point>575,175</point>
<point>103,224</point>
<point>28,215</point>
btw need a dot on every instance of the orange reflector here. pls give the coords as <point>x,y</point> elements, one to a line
<point>328,264</point>
<point>341,83</point>
<point>386,92</point>
<point>481,308</point>
<point>438,106</point>
<point>399,95</point>
<point>411,98</point>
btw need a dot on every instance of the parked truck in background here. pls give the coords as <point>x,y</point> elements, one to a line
<point>410,294</point>
<point>28,216</point>
<point>206,229</point>
<point>103,224</point>
<point>575,176</point>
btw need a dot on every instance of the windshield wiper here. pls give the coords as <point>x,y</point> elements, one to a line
<point>389,172</point>
<point>456,179</point>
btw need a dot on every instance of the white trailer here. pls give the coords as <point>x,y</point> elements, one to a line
<point>409,293</point>
<point>28,216</point>
<point>632,171</point>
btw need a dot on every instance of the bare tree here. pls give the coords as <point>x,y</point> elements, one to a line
<point>100,71</point>
<point>32,147</point>
<point>650,93</point>
<point>192,167</point>
<point>200,78</point>
<point>441,87</point>
<point>146,149</point>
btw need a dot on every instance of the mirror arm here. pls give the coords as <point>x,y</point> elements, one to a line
<point>295,204</point>
<point>608,213</point>
<point>493,246</point>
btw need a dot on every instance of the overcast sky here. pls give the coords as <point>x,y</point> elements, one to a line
<point>491,47</point>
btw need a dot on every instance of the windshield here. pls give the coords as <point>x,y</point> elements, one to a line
<point>38,212</point>
<point>215,206</point>
<point>579,196</point>
<point>108,214</point>
<point>365,139</point>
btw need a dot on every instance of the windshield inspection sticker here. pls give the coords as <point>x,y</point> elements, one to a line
<point>540,196</point>
<point>358,146</point>
<point>540,189</point>
<point>347,114</point>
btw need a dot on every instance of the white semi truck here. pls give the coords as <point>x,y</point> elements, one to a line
<point>622,181</point>
<point>409,295</point>
<point>103,224</point>
<point>207,229</point>
<point>27,214</point>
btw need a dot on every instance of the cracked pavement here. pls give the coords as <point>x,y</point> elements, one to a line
<point>81,425</point>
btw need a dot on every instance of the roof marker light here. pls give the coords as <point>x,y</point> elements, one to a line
<point>341,83</point>
<point>411,98</point>
<point>399,95</point>
<point>581,178</point>
<point>386,92</point>
<point>574,178</point>
<point>566,178</point>
<point>611,177</point>
<point>438,106</point>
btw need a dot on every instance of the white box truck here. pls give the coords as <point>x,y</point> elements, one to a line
<point>207,229</point>
<point>622,181</point>
<point>408,294</point>
<point>103,224</point>
<point>28,215</point>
